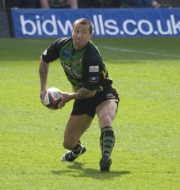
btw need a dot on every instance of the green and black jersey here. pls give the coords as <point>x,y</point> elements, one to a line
<point>83,68</point>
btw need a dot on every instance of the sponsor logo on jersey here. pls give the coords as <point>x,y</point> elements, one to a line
<point>93,79</point>
<point>71,69</point>
<point>110,95</point>
<point>45,52</point>
<point>66,53</point>
<point>93,69</point>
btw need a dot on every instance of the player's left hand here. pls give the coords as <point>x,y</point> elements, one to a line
<point>66,98</point>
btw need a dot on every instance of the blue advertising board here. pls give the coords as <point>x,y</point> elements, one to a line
<point>40,23</point>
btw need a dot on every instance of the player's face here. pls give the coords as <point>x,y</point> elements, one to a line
<point>80,35</point>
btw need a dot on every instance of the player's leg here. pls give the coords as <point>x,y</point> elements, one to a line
<point>75,127</point>
<point>106,112</point>
<point>44,4</point>
<point>73,4</point>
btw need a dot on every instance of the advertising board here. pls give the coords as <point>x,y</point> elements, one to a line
<point>41,23</point>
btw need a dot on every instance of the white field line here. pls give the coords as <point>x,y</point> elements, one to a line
<point>135,51</point>
<point>123,50</point>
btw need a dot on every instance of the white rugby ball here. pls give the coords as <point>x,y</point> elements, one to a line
<point>52,99</point>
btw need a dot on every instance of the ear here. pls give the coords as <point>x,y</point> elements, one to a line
<point>90,35</point>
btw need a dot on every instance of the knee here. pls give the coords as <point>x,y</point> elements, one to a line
<point>106,119</point>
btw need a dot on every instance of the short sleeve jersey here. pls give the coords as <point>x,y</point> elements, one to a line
<point>83,68</point>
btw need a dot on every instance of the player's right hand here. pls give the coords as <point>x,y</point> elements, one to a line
<point>42,95</point>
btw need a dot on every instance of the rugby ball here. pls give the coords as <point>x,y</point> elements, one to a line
<point>52,98</point>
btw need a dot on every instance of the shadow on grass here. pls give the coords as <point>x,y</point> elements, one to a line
<point>89,172</point>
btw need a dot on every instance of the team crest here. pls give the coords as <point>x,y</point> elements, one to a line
<point>79,62</point>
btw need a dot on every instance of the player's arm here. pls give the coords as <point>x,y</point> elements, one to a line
<point>48,56</point>
<point>43,74</point>
<point>82,93</point>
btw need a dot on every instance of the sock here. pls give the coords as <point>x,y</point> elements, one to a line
<point>77,148</point>
<point>107,140</point>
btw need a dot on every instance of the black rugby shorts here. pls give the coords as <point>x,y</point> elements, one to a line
<point>88,105</point>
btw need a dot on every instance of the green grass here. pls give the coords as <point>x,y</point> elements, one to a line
<point>146,72</point>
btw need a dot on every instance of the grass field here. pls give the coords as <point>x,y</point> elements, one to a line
<point>146,72</point>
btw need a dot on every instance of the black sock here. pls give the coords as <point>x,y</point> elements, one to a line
<point>107,140</point>
<point>77,148</point>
